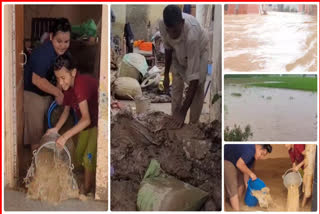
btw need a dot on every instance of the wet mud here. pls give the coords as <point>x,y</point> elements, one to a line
<point>192,154</point>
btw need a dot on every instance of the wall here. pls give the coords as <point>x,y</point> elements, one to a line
<point>10,172</point>
<point>139,17</point>
<point>309,9</point>
<point>279,151</point>
<point>243,9</point>
<point>76,14</point>
<point>294,7</point>
<point>103,141</point>
<point>216,59</point>
<point>86,55</point>
<point>155,15</point>
<point>120,13</point>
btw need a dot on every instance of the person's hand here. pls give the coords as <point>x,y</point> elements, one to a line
<point>253,176</point>
<point>52,131</point>
<point>177,120</point>
<point>61,141</point>
<point>166,83</point>
<point>294,167</point>
<point>59,98</point>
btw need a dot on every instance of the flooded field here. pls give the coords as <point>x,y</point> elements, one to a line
<point>275,42</point>
<point>273,114</point>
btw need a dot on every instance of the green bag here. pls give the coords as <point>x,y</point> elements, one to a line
<point>87,29</point>
<point>161,192</point>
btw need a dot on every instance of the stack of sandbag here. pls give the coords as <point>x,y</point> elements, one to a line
<point>133,65</point>
<point>161,192</point>
<point>126,88</point>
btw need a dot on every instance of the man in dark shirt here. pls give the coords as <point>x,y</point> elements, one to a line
<point>238,161</point>
<point>38,88</point>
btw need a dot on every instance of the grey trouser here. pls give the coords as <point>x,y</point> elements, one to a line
<point>35,108</point>
<point>178,88</point>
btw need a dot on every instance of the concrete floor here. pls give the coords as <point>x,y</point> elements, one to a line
<point>17,201</point>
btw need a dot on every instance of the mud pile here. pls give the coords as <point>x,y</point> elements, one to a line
<point>191,154</point>
<point>52,181</point>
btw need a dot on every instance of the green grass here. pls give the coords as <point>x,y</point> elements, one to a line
<point>236,94</point>
<point>296,82</point>
<point>237,134</point>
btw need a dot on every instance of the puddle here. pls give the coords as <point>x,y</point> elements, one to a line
<point>273,114</point>
<point>272,43</point>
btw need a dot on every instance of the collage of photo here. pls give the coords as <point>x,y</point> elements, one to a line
<point>160,107</point>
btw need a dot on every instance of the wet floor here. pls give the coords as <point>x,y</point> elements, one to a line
<point>275,42</point>
<point>271,171</point>
<point>273,114</point>
<point>17,201</point>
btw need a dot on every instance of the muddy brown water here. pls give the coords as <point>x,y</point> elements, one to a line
<point>52,181</point>
<point>275,42</point>
<point>273,114</point>
<point>270,171</point>
<point>191,154</point>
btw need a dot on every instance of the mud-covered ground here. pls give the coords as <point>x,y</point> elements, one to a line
<point>191,154</point>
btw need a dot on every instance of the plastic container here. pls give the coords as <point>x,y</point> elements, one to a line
<point>291,178</point>
<point>257,184</point>
<point>142,104</point>
<point>151,81</point>
<point>48,142</point>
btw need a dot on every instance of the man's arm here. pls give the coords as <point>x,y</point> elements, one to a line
<point>296,168</point>
<point>242,166</point>
<point>63,118</point>
<point>193,86</point>
<point>83,123</point>
<point>245,180</point>
<point>44,85</point>
<point>167,65</point>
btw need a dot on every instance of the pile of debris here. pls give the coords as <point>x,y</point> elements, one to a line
<point>191,154</point>
<point>133,77</point>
